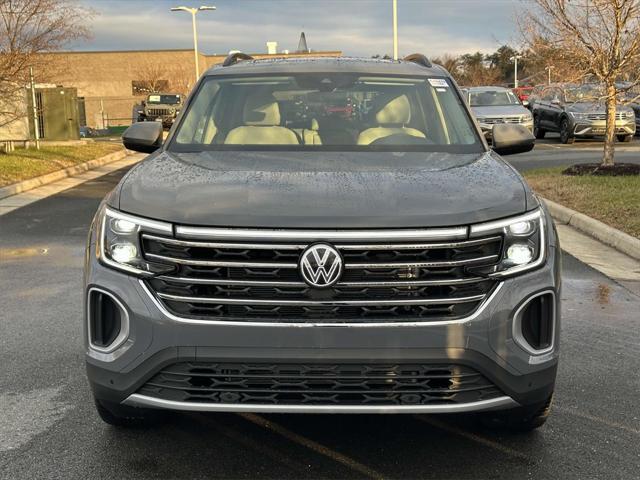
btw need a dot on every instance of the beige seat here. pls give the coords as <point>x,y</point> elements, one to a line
<point>261,117</point>
<point>391,119</point>
<point>310,136</point>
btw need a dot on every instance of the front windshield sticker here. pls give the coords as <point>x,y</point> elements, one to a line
<point>154,98</point>
<point>438,82</point>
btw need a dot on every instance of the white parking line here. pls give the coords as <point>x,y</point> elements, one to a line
<point>312,445</point>
<point>475,438</point>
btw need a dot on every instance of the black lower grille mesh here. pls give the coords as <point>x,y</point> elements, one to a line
<point>320,384</point>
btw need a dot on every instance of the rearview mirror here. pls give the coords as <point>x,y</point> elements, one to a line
<point>509,139</point>
<point>145,137</point>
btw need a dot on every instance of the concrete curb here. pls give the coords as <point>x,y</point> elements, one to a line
<point>32,183</point>
<point>595,228</point>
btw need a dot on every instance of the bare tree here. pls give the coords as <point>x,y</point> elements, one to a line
<point>181,79</point>
<point>29,28</point>
<point>595,38</point>
<point>152,77</point>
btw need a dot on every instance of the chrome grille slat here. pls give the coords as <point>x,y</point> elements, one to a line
<point>449,263</point>
<point>267,283</point>
<point>209,263</point>
<point>320,303</point>
<point>212,263</point>
<point>242,234</point>
<point>394,276</point>
<point>302,246</point>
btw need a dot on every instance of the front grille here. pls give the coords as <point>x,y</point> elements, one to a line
<point>603,116</point>
<point>381,282</point>
<point>159,112</point>
<point>320,384</point>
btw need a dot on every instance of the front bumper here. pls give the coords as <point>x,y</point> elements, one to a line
<point>484,343</point>
<point>487,128</point>
<point>583,128</point>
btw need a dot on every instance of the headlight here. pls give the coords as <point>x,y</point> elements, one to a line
<point>481,119</point>
<point>527,118</point>
<point>524,246</point>
<point>119,246</point>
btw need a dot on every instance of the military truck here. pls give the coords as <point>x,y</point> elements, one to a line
<point>160,107</point>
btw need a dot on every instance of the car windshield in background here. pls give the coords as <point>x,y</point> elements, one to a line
<point>326,111</point>
<point>584,93</point>
<point>164,99</point>
<point>492,98</point>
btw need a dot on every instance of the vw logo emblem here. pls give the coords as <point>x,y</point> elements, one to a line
<point>321,265</point>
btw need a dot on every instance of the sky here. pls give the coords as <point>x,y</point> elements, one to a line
<point>357,27</point>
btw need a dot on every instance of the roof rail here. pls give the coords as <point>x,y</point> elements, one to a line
<point>418,58</point>
<point>235,57</point>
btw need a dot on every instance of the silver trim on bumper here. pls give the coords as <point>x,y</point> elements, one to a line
<point>137,400</point>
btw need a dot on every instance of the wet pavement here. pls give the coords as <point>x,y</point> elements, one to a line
<point>49,429</point>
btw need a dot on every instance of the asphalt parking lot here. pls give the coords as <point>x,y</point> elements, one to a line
<point>48,427</point>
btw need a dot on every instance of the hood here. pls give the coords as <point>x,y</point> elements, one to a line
<point>500,111</point>
<point>322,189</point>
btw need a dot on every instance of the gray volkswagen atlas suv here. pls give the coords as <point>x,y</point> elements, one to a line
<point>323,235</point>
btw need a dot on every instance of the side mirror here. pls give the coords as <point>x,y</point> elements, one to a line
<point>509,139</point>
<point>525,103</point>
<point>145,137</point>
<point>555,101</point>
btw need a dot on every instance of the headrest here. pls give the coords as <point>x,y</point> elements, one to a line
<point>261,109</point>
<point>395,112</point>
<point>314,124</point>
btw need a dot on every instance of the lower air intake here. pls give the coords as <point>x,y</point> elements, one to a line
<point>320,384</point>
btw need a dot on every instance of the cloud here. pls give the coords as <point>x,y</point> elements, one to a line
<point>357,27</point>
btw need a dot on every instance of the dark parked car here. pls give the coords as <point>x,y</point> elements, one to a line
<point>387,262</point>
<point>631,97</point>
<point>578,111</point>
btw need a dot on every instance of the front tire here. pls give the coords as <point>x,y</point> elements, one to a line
<point>519,419</point>
<point>625,138</point>
<point>125,416</point>
<point>566,136</point>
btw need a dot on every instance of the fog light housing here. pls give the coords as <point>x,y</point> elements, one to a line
<point>519,254</point>
<point>535,323</point>
<point>108,321</point>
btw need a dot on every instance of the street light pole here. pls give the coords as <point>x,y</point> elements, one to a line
<point>515,69</point>
<point>193,12</point>
<point>395,29</point>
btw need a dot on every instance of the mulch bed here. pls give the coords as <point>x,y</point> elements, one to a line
<point>618,169</point>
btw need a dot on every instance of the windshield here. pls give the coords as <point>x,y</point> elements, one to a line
<point>493,98</point>
<point>326,111</point>
<point>584,93</point>
<point>164,99</point>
